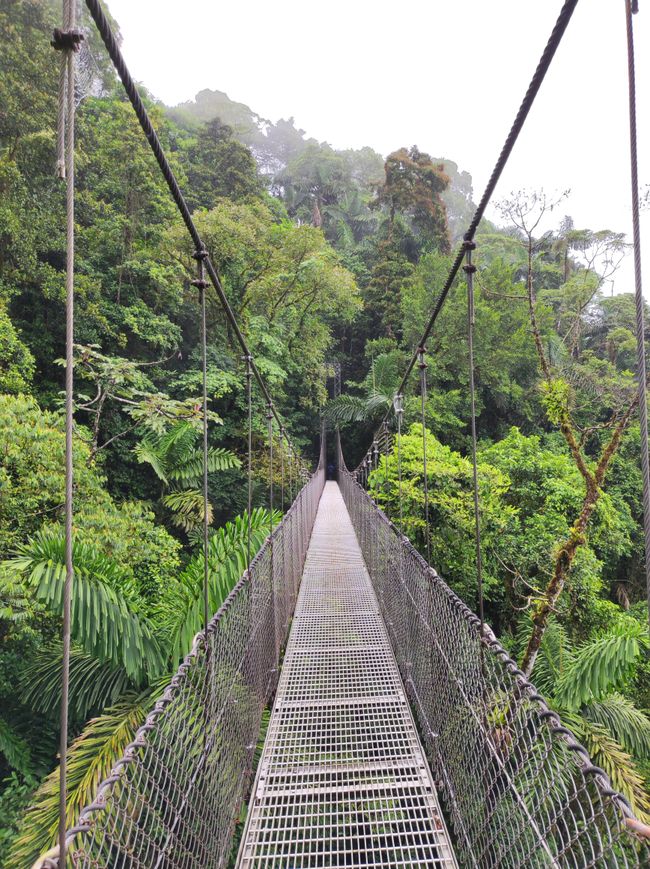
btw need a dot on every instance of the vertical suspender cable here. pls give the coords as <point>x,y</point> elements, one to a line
<point>200,255</point>
<point>398,404</point>
<point>249,502</point>
<point>281,445</point>
<point>269,417</point>
<point>470,269</point>
<point>630,8</point>
<point>67,41</point>
<point>422,365</point>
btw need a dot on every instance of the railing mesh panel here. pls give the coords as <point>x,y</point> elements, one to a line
<point>173,798</point>
<point>518,789</point>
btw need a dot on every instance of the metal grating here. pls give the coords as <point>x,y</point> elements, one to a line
<point>343,780</point>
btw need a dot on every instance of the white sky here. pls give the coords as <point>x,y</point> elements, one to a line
<point>447,76</point>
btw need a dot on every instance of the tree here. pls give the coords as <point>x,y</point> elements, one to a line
<point>219,166</point>
<point>413,186</point>
<point>526,211</point>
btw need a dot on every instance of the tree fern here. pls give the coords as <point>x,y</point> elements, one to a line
<point>90,759</point>
<point>102,622</point>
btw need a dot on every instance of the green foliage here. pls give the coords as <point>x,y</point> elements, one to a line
<point>16,360</point>
<point>182,609</point>
<point>94,684</point>
<point>451,511</point>
<point>14,748</point>
<point>90,760</point>
<point>102,620</point>
<point>601,665</point>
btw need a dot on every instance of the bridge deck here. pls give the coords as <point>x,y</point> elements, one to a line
<point>343,780</point>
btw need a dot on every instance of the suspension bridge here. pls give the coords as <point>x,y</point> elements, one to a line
<point>402,734</point>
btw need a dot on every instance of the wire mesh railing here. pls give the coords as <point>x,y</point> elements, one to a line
<point>173,798</point>
<point>517,787</point>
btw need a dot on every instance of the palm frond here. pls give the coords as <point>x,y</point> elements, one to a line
<point>177,443</point>
<point>90,759</point>
<point>554,655</point>
<point>14,748</point>
<point>607,753</point>
<point>191,470</point>
<point>102,622</point>
<point>627,724</point>
<point>345,408</point>
<point>227,557</point>
<point>94,685</point>
<point>187,507</point>
<point>147,452</point>
<point>599,665</point>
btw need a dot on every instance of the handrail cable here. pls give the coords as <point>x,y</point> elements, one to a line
<point>527,103</point>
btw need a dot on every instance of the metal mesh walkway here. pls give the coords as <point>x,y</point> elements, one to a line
<point>343,780</point>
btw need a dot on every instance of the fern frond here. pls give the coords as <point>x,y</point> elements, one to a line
<point>599,665</point>
<point>90,759</point>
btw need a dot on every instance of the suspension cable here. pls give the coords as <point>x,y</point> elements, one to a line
<point>202,285</point>
<point>539,75</point>
<point>67,40</point>
<point>422,365</point>
<point>115,54</point>
<point>630,9</point>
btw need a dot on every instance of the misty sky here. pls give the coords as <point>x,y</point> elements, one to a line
<point>447,76</point>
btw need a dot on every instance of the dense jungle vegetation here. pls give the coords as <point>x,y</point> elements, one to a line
<point>326,255</point>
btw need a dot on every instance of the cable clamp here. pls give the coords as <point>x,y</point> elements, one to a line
<point>469,269</point>
<point>469,244</point>
<point>66,40</point>
<point>200,283</point>
<point>200,254</point>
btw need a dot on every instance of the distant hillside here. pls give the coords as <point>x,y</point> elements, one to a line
<point>276,145</point>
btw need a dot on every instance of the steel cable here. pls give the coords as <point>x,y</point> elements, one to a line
<point>115,54</point>
<point>527,103</point>
<point>638,291</point>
